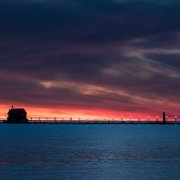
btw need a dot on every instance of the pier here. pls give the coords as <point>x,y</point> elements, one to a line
<point>148,119</point>
<point>99,122</point>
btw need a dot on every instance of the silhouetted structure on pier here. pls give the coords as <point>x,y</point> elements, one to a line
<point>164,117</point>
<point>17,115</point>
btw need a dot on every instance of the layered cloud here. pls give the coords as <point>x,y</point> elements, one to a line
<point>111,55</point>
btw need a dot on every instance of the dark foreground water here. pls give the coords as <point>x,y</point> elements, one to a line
<point>130,152</point>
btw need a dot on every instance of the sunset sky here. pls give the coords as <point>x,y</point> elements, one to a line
<point>100,58</point>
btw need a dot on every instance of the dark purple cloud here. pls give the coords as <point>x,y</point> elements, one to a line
<point>113,55</point>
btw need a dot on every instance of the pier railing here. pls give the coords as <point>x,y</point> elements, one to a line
<point>121,118</point>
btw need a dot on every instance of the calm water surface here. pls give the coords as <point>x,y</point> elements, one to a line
<point>122,152</point>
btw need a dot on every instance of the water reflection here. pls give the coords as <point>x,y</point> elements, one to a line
<point>89,152</point>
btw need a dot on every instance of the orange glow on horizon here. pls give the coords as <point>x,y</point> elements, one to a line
<point>78,114</point>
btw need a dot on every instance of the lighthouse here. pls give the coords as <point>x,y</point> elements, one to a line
<point>17,115</point>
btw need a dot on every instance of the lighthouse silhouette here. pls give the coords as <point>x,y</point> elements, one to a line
<point>17,115</point>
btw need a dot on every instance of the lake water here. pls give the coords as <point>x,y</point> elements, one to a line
<point>107,152</point>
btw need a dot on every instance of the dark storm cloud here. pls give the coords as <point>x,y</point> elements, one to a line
<point>88,21</point>
<point>107,54</point>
